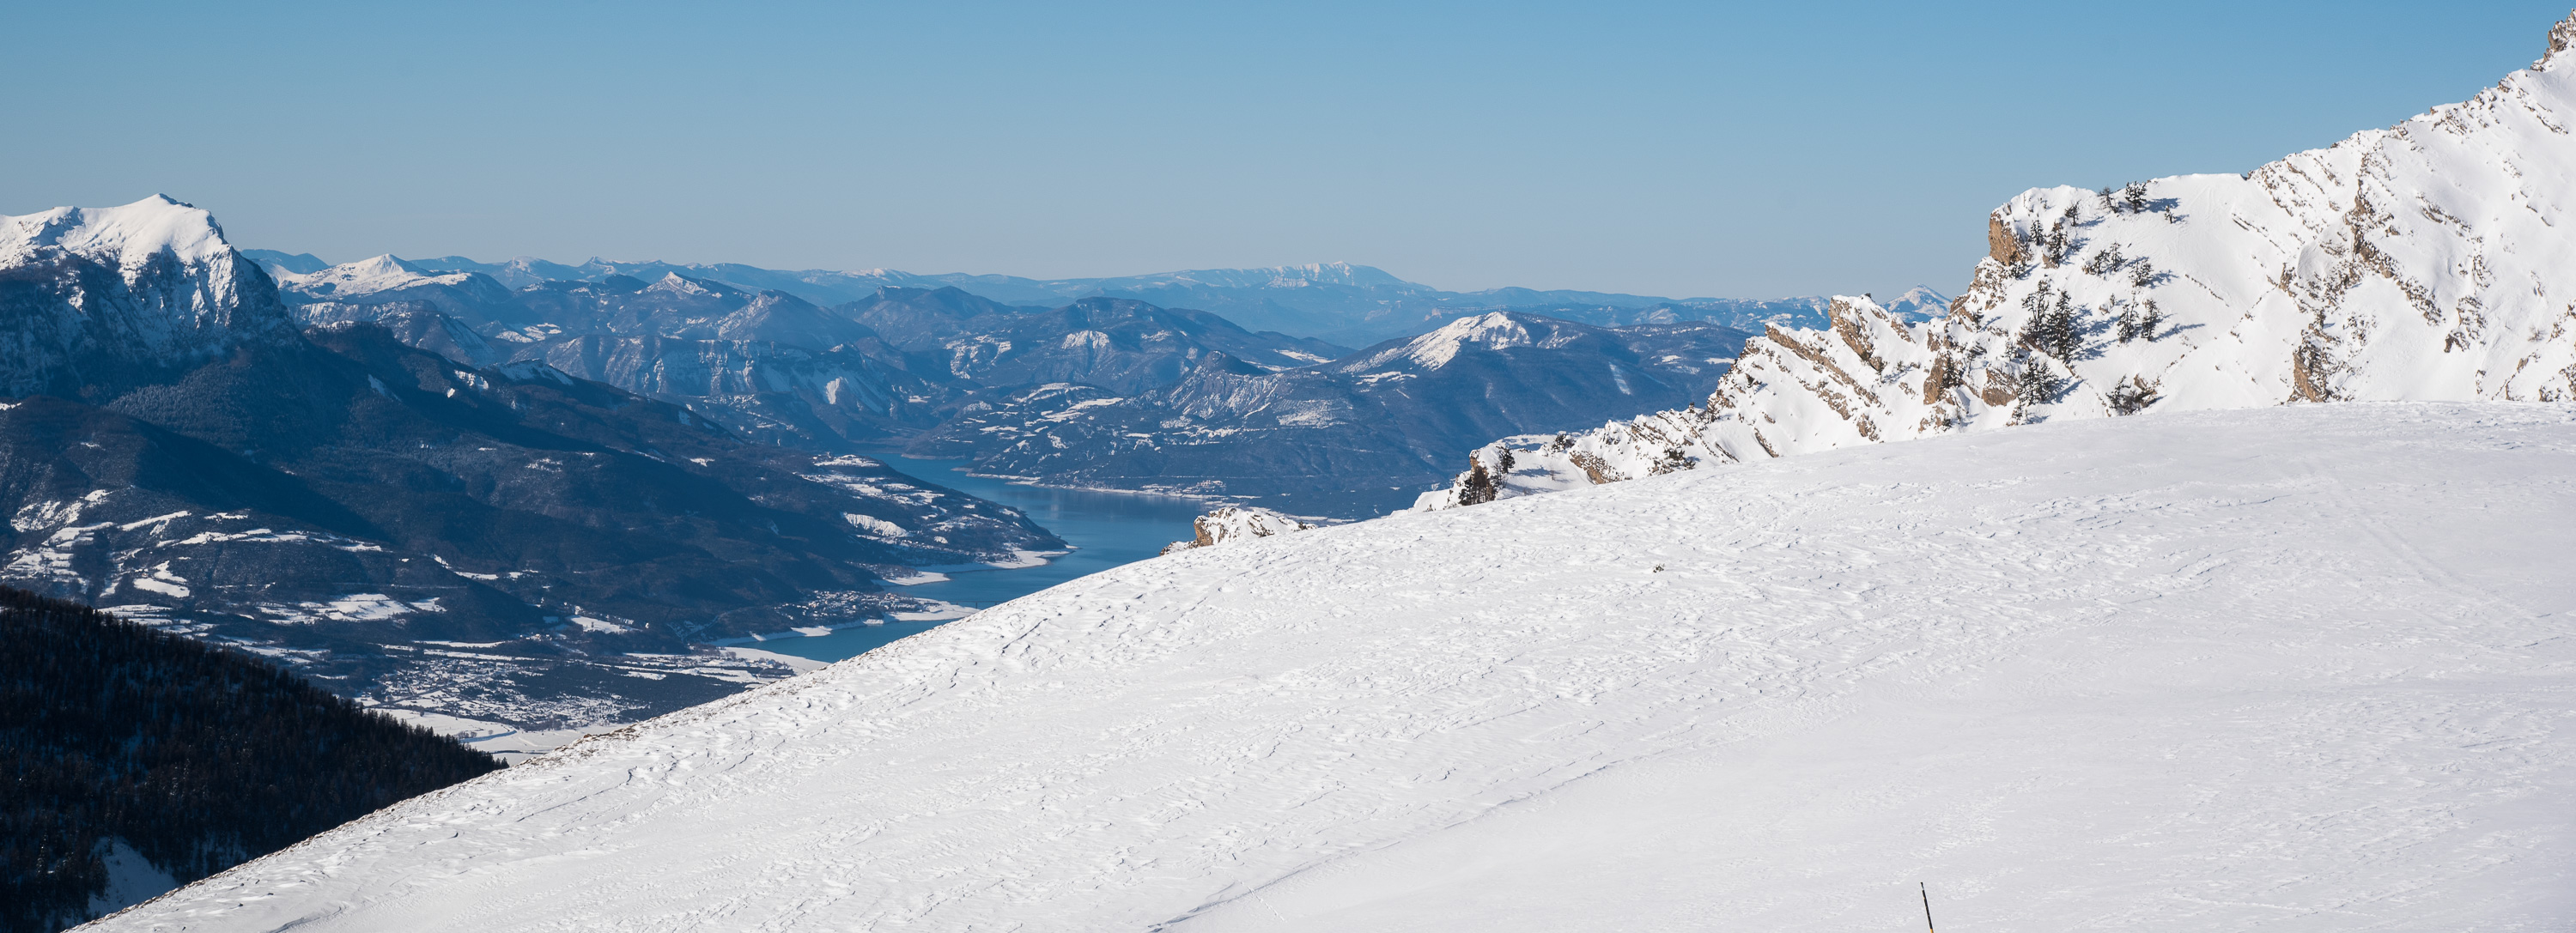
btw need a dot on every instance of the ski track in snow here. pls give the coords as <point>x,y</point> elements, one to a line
<point>2303,668</point>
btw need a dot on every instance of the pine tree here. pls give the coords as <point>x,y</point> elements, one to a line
<point>2107,261</point>
<point>2040,383</point>
<point>1478,486</point>
<point>2136,195</point>
<point>2053,328</point>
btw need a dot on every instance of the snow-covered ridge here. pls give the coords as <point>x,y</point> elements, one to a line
<point>2432,260</point>
<point>2295,668</point>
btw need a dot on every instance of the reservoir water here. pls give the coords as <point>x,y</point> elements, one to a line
<point>1106,529</point>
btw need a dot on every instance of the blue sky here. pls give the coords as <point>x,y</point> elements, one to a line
<point>1679,149</point>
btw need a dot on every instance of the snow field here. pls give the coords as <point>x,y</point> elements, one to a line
<point>2302,668</point>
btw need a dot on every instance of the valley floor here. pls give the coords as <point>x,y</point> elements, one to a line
<point>2303,668</point>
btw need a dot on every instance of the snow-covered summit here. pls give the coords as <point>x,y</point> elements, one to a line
<point>1493,330</point>
<point>388,279</point>
<point>124,236</point>
<point>368,276</point>
<point>2296,668</point>
<point>116,294</point>
<point>2434,260</point>
<point>1919,303</point>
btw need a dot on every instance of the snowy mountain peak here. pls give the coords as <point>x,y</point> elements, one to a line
<point>367,276</point>
<point>1919,303</point>
<point>1493,331</point>
<point>127,234</point>
<point>118,296</point>
<point>387,264</point>
<point>2561,37</point>
<point>678,284</point>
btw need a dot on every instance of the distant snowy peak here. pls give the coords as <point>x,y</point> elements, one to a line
<point>676,284</point>
<point>368,276</point>
<point>2431,261</point>
<point>1304,276</point>
<point>1492,330</point>
<point>1920,303</point>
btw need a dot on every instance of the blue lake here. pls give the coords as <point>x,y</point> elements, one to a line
<point>1106,529</point>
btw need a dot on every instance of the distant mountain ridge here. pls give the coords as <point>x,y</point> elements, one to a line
<point>1345,303</point>
<point>1380,419</point>
<point>1098,392</point>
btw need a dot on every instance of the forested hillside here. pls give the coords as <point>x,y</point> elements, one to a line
<point>195,757</point>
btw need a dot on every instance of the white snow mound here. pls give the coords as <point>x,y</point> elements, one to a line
<point>2302,668</point>
<point>1236,523</point>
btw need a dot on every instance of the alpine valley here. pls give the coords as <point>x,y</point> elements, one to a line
<point>1098,392</point>
<point>503,544</point>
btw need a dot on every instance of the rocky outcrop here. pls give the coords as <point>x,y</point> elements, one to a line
<point>1236,523</point>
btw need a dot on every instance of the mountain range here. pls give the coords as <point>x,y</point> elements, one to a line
<point>1352,305</point>
<point>1097,392</point>
<point>1378,416</point>
<point>502,543</point>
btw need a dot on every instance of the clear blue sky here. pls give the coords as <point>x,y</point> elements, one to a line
<point>1662,148</point>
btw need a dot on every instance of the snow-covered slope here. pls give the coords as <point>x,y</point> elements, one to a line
<point>2301,668</point>
<point>2431,260</point>
<point>96,299</point>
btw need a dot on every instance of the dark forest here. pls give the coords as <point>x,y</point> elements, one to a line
<point>198,756</point>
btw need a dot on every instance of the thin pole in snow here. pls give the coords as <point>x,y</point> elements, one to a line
<point>1927,907</point>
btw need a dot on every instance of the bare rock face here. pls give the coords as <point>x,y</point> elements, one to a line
<point>2430,261</point>
<point>2001,245</point>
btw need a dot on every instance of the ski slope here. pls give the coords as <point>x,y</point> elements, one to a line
<point>2282,669</point>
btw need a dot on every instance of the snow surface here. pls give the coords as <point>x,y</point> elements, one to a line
<point>2428,261</point>
<point>2289,668</point>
